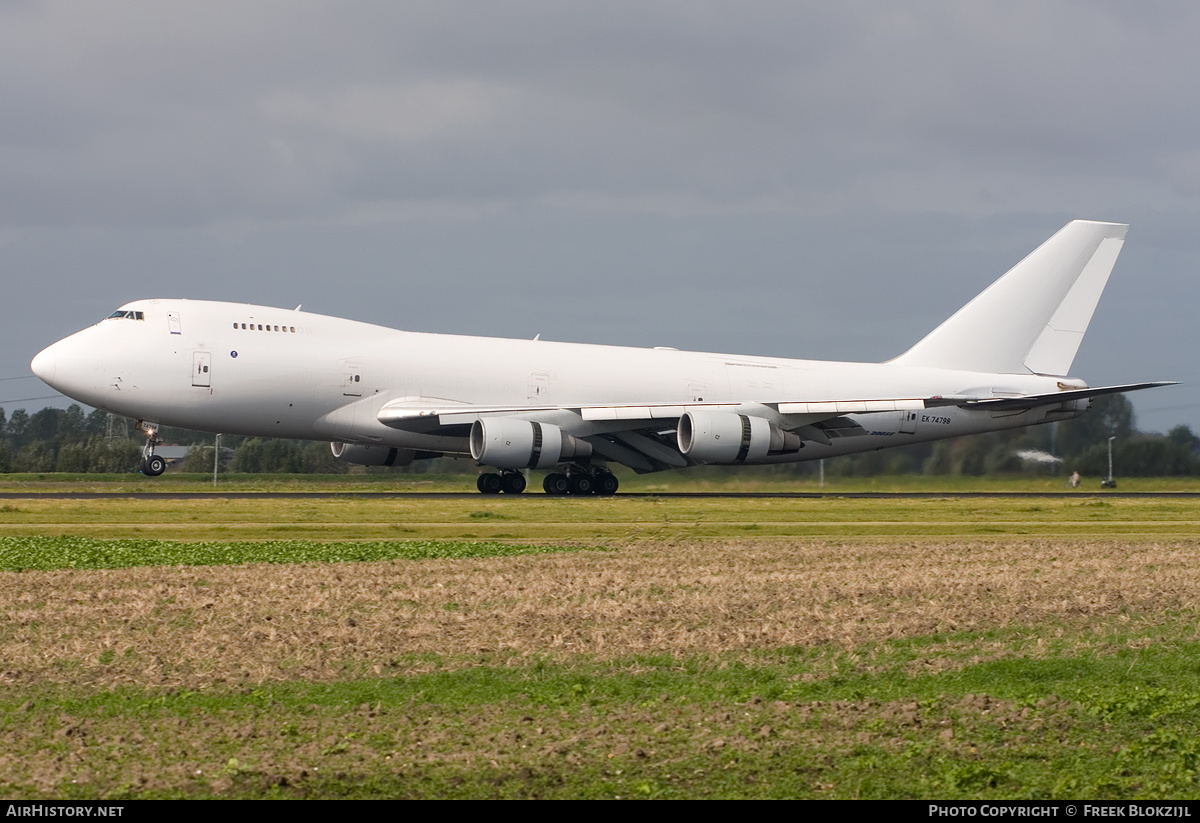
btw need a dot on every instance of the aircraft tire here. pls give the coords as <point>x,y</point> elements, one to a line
<point>606,483</point>
<point>582,484</point>
<point>489,483</point>
<point>512,483</point>
<point>153,466</point>
<point>556,484</point>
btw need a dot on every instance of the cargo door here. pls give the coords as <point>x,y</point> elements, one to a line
<point>201,368</point>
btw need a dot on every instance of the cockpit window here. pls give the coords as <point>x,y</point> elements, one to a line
<point>128,315</point>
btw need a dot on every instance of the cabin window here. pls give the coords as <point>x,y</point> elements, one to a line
<point>258,327</point>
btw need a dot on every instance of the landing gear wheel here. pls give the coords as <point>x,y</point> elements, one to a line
<point>152,465</point>
<point>489,483</point>
<point>582,484</point>
<point>512,483</point>
<point>556,484</point>
<point>606,483</point>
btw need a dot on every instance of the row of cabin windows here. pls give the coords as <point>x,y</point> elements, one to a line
<point>267,327</point>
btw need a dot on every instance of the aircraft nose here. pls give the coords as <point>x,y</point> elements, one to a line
<point>45,365</point>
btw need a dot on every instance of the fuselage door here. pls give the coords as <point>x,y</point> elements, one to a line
<point>351,378</point>
<point>201,367</point>
<point>908,421</point>
<point>173,322</point>
<point>539,388</point>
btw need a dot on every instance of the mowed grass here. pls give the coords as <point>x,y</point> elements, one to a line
<point>826,648</point>
<point>539,518</point>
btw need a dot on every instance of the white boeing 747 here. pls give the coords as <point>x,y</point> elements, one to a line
<point>387,397</point>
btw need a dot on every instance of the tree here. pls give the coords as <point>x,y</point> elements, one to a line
<point>1111,415</point>
<point>16,427</point>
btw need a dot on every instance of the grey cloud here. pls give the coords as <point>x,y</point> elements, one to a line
<point>816,179</point>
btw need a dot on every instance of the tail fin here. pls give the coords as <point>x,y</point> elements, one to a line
<point>1033,318</point>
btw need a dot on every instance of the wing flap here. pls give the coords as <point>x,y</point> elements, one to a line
<point>834,407</point>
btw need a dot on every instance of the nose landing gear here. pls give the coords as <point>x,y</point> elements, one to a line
<point>152,465</point>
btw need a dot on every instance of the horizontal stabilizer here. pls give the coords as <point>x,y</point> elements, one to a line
<point>1033,400</point>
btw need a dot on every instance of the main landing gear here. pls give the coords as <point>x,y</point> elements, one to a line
<point>152,465</point>
<point>510,482</point>
<point>600,482</point>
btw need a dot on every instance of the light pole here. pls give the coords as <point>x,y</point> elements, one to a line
<point>1109,482</point>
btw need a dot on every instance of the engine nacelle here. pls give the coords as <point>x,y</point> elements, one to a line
<point>724,437</point>
<point>372,455</point>
<point>523,444</point>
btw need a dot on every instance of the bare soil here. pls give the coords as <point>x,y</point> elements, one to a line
<point>194,627</point>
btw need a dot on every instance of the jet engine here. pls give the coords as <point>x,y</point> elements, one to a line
<point>372,455</point>
<point>506,443</point>
<point>724,437</point>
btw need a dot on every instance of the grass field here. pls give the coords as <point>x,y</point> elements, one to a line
<point>626,647</point>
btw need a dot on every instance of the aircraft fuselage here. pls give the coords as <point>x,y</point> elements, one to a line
<point>254,370</point>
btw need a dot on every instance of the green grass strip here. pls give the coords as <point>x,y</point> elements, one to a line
<point>44,553</point>
<point>1117,726</point>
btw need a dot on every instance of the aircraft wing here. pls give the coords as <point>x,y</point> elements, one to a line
<point>641,435</point>
<point>406,415</point>
<point>428,414</point>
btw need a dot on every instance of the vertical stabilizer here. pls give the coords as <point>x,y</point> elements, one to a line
<point>1033,318</point>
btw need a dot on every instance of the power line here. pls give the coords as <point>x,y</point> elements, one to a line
<point>22,377</point>
<point>1168,408</point>
<point>27,399</point>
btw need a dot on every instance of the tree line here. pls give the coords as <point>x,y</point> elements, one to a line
<point>70,440</point>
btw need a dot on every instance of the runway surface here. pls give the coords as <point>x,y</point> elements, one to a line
<point>219,495</point>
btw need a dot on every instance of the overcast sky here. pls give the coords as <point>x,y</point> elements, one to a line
<point>820,180</point>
